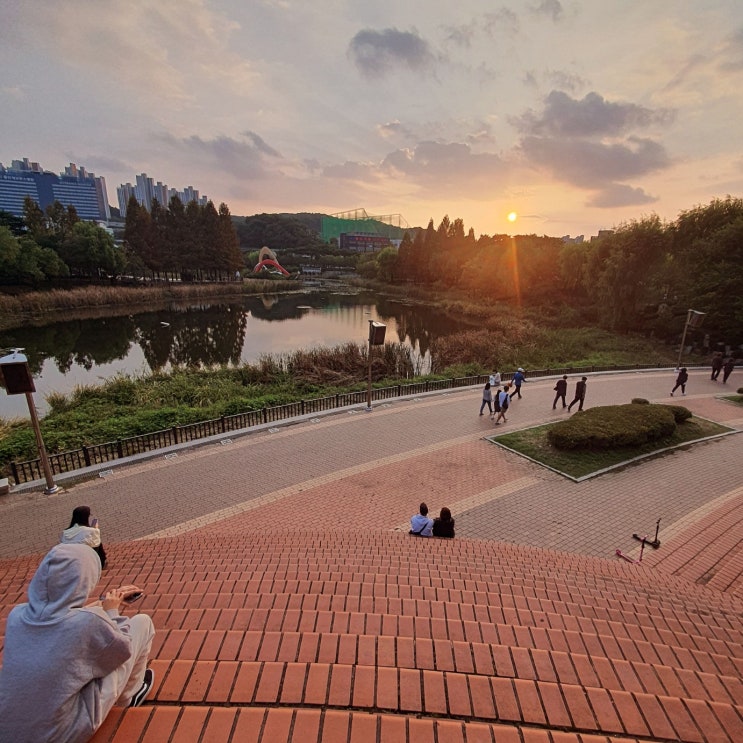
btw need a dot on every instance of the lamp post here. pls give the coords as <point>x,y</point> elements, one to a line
<point>18,380</point>
<point>693,320</point>
<point>376,338</point>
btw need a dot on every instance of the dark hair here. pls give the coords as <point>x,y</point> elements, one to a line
<point>487,385</point>
<point>81,516</point>
<point>424,509</point>
<point>445,514</point>
<point>564,376</point>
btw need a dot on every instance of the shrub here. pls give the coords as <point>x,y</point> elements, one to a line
<point>740,390</point>
<point>613,426</point>
<point>640,401</point>
<point>680,413</point>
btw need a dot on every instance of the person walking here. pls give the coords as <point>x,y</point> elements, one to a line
<point>503,402</point>
<point>518,379</point>
<point>727,369</point>
<point>716,365</point>
<point>681,380</point>
<point>580,393</point>
<point>561,389</point>
<point>487,398</point>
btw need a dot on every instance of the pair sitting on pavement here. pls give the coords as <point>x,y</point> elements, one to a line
<point>422,526</point>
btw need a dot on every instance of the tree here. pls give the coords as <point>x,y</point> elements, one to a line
<point>228,256</point>
<point>15,224</point>
<point>387,260</point>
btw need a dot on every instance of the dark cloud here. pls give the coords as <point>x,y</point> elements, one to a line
<point>592,165</point>
<point>592,116</point>
<point>376,53</point>
<point>461,35</point>
<point>260,144</point>
<point>244,158</point>
<point>617,195</point>
<point>550,8</point>
<point>444,163</point>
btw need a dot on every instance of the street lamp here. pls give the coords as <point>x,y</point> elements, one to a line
<point>693,320</point>
<point>376,338</point>
<point>18,380</point>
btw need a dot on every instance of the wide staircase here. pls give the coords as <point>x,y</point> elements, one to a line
<point>360,637</point>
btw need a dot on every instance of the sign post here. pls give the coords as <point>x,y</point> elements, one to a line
<point>693,320</point>
<point>376,338</point>
<point>17,379</point>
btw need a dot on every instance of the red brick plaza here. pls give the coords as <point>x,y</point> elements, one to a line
<point>291,604</point>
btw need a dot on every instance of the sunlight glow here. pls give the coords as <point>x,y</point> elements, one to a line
<point>512,216</point>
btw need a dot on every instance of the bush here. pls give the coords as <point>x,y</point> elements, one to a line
<point>613,426</point>
<point>640,401</point>
<point>680,413</point>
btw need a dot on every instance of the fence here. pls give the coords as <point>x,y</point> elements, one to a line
<point>89,456</point>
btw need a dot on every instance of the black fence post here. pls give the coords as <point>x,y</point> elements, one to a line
<point>302,401</point>
<point>119,448</point>
<point>14,472</point>
<point>175,434</point>
<point>86,456</point>
<point>265,415</point>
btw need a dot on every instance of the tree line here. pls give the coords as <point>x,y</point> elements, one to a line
<point>643,276</point>
<point>190,242</point>
<point>49,245</point>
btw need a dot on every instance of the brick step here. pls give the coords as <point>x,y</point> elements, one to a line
<point>229,609</point>
<point>463,697</point>
<point>211,724</point>
<point>720,683</point>
<point>694,630</point>
<point>622,598</point>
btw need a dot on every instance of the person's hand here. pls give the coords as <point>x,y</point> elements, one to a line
<point>114,598</point>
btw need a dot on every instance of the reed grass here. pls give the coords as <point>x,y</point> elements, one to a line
<point>14,309</point>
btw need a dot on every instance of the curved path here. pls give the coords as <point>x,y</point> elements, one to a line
<point>356,470</point>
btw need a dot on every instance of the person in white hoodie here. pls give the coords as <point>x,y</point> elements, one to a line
<point>82,531</point>
<point>67,663</point>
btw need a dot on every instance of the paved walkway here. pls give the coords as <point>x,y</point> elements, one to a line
<point>356,469</point>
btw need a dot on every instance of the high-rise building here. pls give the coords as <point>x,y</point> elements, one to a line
<point>75,187</point>
<point>146,190</point>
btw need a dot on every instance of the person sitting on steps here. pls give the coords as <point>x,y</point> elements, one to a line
<point>66,662</point>
<point>443,525</point>
<point>420,524</point>
<point>84,531</point>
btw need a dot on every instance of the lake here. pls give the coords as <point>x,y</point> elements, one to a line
<point>100,344</point>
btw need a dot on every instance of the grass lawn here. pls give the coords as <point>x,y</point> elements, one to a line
<point>533,443</point>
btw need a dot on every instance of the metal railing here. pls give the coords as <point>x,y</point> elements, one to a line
<point>88,456</point>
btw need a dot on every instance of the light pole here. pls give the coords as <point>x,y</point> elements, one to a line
<point>693,320</point>
<point>18,380</point>
<point>376,338</point>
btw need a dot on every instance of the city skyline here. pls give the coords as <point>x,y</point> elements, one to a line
<point>576,116</point>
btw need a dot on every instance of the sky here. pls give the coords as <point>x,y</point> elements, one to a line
<point>577,115</point>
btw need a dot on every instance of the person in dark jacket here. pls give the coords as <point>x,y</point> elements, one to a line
<point>681,380</point>
<point>518,379</point>
<point>443,525</point>
<point>716,365</point>
<point>727,369</point>
<point>561,389</point>
<point>580,393</point>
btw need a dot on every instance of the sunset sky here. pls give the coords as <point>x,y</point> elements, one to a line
<point>577,115</point>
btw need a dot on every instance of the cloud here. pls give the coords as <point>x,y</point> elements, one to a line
<point>377,53</point>
<point>503,19</point>
<point>551,8</point>
<point>243,158</point>
<point>590,164</point>
<point>14,91</point>
<point>100,162</point>
<point>592,116</point>
<point>618,195</point>
<point>731,54</point>
<point>393,130</point>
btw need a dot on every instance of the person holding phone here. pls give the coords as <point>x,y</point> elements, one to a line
<point>66,660</point>
<point>83,530</point>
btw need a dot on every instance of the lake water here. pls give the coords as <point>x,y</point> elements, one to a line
<point>86,351</point>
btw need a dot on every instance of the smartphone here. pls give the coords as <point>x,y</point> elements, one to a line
<point>94,523</point>
<point>132,597</point>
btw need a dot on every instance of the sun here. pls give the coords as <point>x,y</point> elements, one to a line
<point>512,216</point>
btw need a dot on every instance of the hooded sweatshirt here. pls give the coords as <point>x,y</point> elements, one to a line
<point>56,653</point>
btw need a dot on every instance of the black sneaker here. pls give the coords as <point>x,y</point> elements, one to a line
<point>144,690</point>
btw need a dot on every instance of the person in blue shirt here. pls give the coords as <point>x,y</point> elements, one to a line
<point>518,379</point>
<point>420,524</point>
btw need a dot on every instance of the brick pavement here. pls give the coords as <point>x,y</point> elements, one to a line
<point>290,603</point>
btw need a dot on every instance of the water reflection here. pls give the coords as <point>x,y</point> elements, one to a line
<point>85,351</point>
